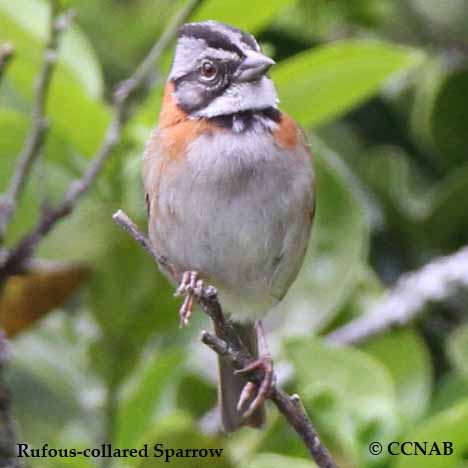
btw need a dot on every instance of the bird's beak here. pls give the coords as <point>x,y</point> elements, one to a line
<point>254,66</point>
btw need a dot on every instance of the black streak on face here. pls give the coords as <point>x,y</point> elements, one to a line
<point>212,38</point>
<point>207,91</point>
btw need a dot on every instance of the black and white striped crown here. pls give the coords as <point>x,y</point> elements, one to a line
<point>220,36</point>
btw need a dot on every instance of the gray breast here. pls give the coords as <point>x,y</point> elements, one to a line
<point>236,214</point>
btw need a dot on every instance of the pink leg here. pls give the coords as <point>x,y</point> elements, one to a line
<point>190,286</point>
<point>264,363</point>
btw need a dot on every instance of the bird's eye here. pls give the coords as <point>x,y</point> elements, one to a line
<point>208,70</point>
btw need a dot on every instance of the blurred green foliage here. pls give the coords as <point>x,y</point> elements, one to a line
<point>384,88</point>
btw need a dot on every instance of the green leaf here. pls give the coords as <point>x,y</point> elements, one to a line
<point>74,104</point>
<point>446,222</point>
<point>440,110</point>
<point>365,295</point>
<point>338,248</point>
<point>243,14</point>
<point>451,389</point>
<point>421,212</point>
<point>178,431</point>
<point>322,83</point>
<point>449,425</point>
<point>13,124</point>
<point>394,178</point>
<point>81,118</point>
<point>201,397</point>
<point>349,395</point>
<point>457,349</point>
<point>405,355</point>
<point>143,401</point>
<point>17,125</point>
<point>128,317</point>
<point>32,18</point>
<point>45,379</point>
<point>268,460</point>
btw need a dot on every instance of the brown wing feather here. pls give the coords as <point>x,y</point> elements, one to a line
<point>290,136</point>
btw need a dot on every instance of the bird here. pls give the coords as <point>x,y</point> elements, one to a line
<point>230,194</point>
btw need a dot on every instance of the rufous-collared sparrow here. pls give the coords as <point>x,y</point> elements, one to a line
<point>230,188</point>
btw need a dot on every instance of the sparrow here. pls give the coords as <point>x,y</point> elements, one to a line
<point>229,186</point>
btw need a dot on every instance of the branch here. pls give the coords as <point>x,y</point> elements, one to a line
<point>6,54</point>
<point>16,259</point>
<point>35,140</point>
<point>435,282</point>
<point>7,429</point>
<point>230,347</point>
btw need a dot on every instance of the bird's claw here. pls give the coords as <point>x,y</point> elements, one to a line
<point>248,392</point>
<point>192,287</point>
<point>261,391</point>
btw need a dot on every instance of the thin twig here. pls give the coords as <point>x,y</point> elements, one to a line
<point>126,223</point>
<point>228,345</point>
<point>437,281</point>
<point>6,54</point>
<point>16,259</point>
<point>7,428</point>
<point>35,140</point>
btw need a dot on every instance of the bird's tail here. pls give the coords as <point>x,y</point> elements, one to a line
<point>230,386</point>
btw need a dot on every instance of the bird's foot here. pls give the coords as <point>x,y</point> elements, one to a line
<point>188,287</point>
<point>259,393</point>
<point>192,287</point>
